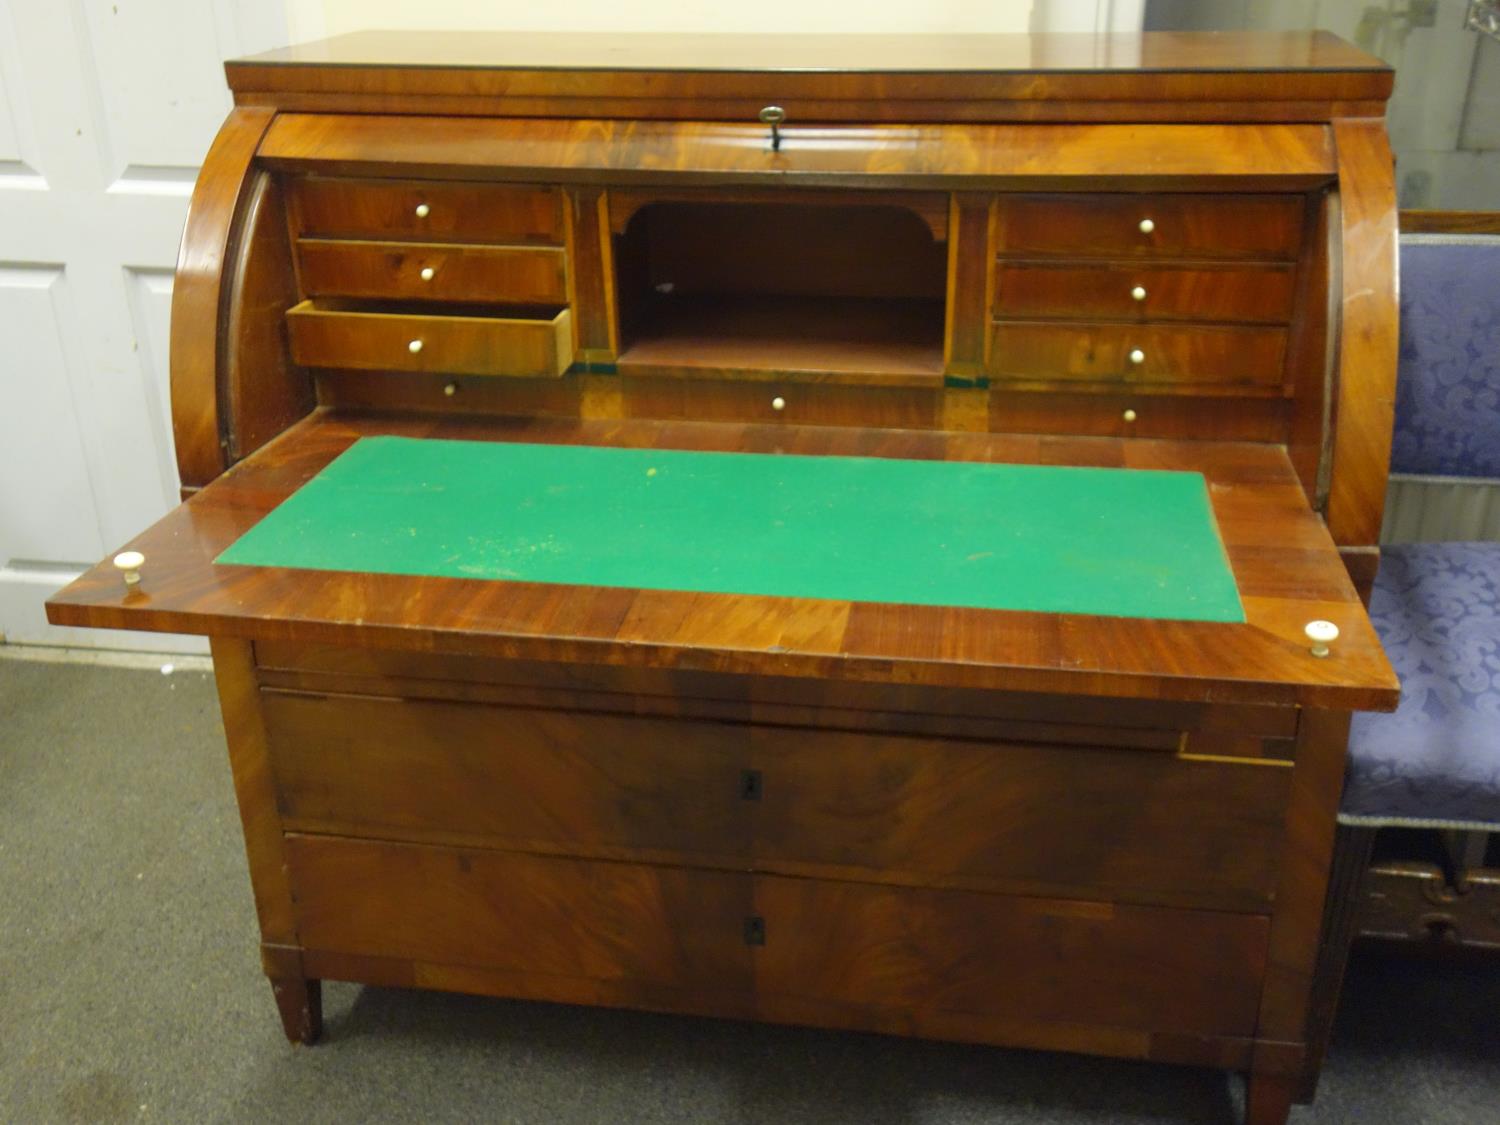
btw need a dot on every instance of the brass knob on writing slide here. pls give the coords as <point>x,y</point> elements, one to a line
<point>423,210</point>
<point>778,403</point>
<point>427,273</point>
<point>1139,292</point>
<point>1147,226</point>
<point>129,564</point>
<point>1137,356</point>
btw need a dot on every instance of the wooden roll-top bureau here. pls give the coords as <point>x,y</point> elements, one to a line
<point>1018,826</point>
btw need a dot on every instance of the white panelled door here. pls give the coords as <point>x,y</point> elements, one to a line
<point>106,108</point>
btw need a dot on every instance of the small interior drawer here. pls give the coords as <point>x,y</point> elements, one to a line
<point>777,402</point>
<point>1138,354</point>
<point>421,209</point>
<point>433,271</point>
<point>1150,226</point>
<point>1143,291</point>
<point>328,332</point>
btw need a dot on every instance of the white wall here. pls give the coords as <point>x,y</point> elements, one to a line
<point>314,19</point>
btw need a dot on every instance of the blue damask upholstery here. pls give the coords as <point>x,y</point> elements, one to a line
<point>1436,761</point>
<point>1448,393</point>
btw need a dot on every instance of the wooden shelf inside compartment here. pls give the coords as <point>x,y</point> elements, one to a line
<point>871,341</point>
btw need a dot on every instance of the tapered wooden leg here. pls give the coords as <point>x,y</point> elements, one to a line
<point>300,1002</point>
<point>1268,1098</point>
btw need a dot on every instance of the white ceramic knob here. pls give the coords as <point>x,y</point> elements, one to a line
<point>1147,226</point>
<point>450,389</point>
<point>1139,293</point>
<point>428,273</point>
<point>1321,634</point>
<point>1137,356</point>
<point>778,403</point>
<point>1129,415</point>
<point>414,347</point>
<point>423,210</point>
<point>129,564</point>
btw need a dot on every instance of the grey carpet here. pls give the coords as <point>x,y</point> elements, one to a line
<point>130,988</point>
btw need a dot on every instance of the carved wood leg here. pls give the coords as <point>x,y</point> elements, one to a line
<point>1268,1098</point>
<point>300,1002</point>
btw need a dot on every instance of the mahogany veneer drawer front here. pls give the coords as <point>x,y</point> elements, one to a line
<point>1150,226</point>
<point>1147,353</point>
<point>1138,823</point>
<point>1127,291</point>
<point>794,403</point>
<point>330,333</point>
<point>429,210</point>
<point>1142,412</point>
<point>434,271</point>
<point>729,933</point>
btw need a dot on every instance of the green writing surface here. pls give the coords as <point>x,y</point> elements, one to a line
<point>1117,542</point>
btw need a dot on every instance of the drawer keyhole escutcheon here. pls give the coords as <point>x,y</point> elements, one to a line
<point>414,347</point>
<point>428,273</point>
<point>1147,226</point>
<point>1138,293</point>
<point>751,785</point>
<point>423,210</point>
<point>774,115</point>
<point>1137,356</point>
<point>755,930</point>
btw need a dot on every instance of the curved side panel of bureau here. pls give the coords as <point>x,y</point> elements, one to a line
<point>1364,410</point>
<point>198,295</point>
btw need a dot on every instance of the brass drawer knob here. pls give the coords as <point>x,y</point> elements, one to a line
<point>414,347</point>
<point>1137,356</point>
<point>423,210</point>
<point>1138,293</point>
<point>778,403</point>
<point>1129,415</point>
<point>1147,226</point>
<point>450,389</point>
<point>428,273</point>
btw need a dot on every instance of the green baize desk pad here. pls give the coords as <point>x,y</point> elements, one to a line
<point>1117,542</point>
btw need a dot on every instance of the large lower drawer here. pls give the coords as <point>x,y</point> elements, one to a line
<point>1266,227</point>
<point>432,271</point>
<point>329,332</point>
<point>423,209</point>
<point>1146,353</point>
<point>850,945</point>
<point>1138,824</point>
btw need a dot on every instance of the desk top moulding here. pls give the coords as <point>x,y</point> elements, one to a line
<point>1146,281</point>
